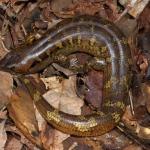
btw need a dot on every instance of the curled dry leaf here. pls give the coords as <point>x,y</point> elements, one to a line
<point>13,144</point>
<point>129,119</point>
<point>146,92</point>
<point>52,83</point>
<point>144,19</point>
<point>39,119</point>
<point>47,14</point>
<point>58,138</point>
<point>5,88</point>
<point>3,136</point>
<point>62,96</point>
<point>13,130</point>
<point>47,133</point>
<point>143,132</point>
<point>136,6</point>
<point>143,64</point>
<point>111,140</point>
<point>59,6</point>
<point>144,42</point>
<point>135,123</point>
<point>127,26</point>
<point>85,7</point>
<point>94,81</point>
<point>69,8</point>
<point>21,110</point>
<point>133,147</point>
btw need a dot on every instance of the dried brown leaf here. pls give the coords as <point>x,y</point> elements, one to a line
<point>144,19</point>
<point>146,92</point>
<point>13,144</point>
<point>21,110</point>
<point>12,129</point>
<point>58,6</point>
<point>129,119</point>
<point>144,132</point>
<point>94,81</point>
<point>3,136</point>
<point>62,96</point>
<point>133,147</point>
<point>5,88</point>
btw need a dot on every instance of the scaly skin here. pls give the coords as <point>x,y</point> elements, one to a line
<point>96,37</point>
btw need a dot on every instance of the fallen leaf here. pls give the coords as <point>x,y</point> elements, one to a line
<point>94,81</point>
<point>15,131</point>
<point>59,6</point>
<point>144,132</point>
<point>62,96</point>
<point>3,136</point>
<point>146,92</point>
<point>13,144</point>
<point>22,112</point>
<point>133,147</point>
<point>5,88</point>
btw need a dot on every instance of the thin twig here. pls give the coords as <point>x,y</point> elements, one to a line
<point>131,102</point>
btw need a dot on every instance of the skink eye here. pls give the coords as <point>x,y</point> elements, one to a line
<point>9,60</point>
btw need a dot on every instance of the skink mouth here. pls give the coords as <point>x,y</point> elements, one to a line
<point>4,64</point>
<point>7,63</point>
<point>5,68</point>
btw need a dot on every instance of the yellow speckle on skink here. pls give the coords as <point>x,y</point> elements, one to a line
<point>37,96</point>
<point>54,116</point>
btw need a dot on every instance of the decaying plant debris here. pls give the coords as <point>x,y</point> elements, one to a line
<point>22,127</point>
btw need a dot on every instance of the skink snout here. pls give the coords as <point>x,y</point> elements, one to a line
<point>9,61</point>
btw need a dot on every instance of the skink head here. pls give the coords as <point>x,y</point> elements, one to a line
<point>13,62</point>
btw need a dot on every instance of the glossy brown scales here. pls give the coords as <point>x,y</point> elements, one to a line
<point>85,34</point>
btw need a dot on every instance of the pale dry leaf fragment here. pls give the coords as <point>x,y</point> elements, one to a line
<point>71,105</point>
<point>13,144</point>
<point>53,97</point>
<point>52,83</point>
<point>39,118</point>
<point>127,26</point>
<point>22,112</point>
<point>59,6</point>
<point>28,143</point>
<point>3,136</point>
<point>146,95</point>
<point>136,6</point>
<point>143,132</point>
<point>23,140</point>
<point>5,88</point>
<point>3,49</point>
<point>53,23</point>
<point>129,120</point>
<point>62,96</point>
<point>3,114</point>
<point>3,99</point>
<point>133,147</point>
<point>59,137</point>
<point>6,82</point>
<point>68,86</point>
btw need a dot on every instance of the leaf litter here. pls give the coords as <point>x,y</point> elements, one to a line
<point>19,21</point>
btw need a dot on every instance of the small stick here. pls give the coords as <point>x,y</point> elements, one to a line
<point>131,102</point>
